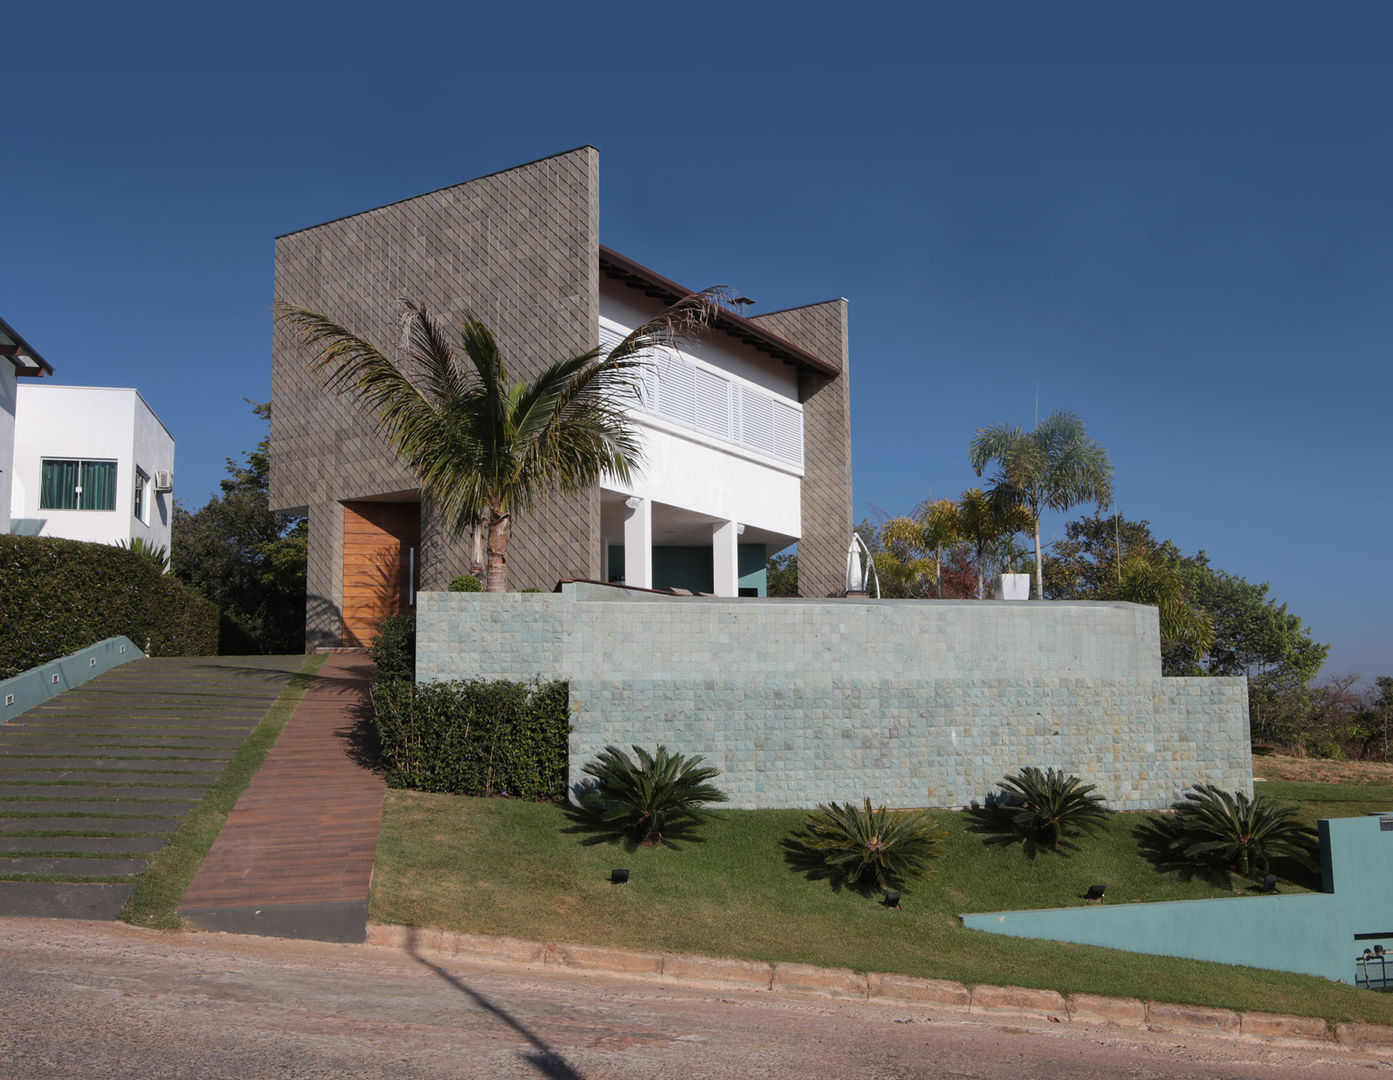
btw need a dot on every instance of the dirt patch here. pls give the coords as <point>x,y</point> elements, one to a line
<point>1321,771</point>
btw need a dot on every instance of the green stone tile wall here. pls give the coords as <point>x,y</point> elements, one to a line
<point>910,703</point>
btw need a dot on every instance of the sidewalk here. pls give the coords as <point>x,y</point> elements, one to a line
<point>295,856</point>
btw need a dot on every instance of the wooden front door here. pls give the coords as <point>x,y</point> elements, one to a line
<point>381,541</point>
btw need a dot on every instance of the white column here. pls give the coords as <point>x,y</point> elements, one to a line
<point>638,543</point>
<point>725,558</point>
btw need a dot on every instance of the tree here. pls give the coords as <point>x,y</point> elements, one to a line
<point>1054,467</point>
<point>942,520</point>
<point>1257,637</point>
<point>901,560</point>
<point>246,558</point>
<point>781,575</point>
<point>1162,586</point>
<point>483,447</point>
<point>1088,559</point>
<point>986,523</point>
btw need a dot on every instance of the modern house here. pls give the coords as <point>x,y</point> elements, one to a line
<point>746,433</point>
<point>90,463</point>
<point>18,360</point>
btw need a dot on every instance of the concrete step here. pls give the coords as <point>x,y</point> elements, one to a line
<point>21,756</point>
<point>104,791</point>
<point>85,774</point>
<point>47,742</point>
<point>144,826</point>
<point>116,845</point>
<point>88,807</point>
<point>71,867</point>
<point>63,900</point>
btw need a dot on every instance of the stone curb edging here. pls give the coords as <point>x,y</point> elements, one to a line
<point>1007,1002</point>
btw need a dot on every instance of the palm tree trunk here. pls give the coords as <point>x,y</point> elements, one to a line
<point>1039,566</point>
<point>500,532</point>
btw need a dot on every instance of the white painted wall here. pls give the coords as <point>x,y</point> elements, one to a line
<point>630,308</point>
<point>7,435</point>
<point>687,472</point>
<point>90,423</point>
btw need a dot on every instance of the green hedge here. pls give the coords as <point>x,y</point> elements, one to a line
<point>474,738</point>
<point>394,649</point>
<point>59,596</point>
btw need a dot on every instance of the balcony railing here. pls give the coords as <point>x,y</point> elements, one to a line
<point>701,398</point>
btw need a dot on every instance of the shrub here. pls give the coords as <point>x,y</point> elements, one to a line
<point>465,583</point>
<point>394,649</point>
<point>874,847</point>
<point>1048,805</point>
<point>651,793</point>
<point>1231,831</point>
<point>474,738</point>
<point>154,553</point>
<point>58,596</point>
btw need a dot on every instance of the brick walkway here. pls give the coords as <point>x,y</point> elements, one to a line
<point>295,856</point>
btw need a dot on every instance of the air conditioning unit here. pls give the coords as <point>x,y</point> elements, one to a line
<point>164,480</point>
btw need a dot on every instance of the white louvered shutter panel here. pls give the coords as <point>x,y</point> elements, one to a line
<point>788,433</point>
<point>712,403</point>
<point>676,389</point>
<point>757,420</point>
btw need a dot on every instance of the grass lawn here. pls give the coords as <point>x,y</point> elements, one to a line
<point>525,870</point>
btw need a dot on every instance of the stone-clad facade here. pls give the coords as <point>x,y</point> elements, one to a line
<point>909,703</point>
<point>520,249</point>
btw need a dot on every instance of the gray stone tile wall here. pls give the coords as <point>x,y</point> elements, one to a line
<point>821,329</point>
<point>520,249</point>
<point>912,704</point>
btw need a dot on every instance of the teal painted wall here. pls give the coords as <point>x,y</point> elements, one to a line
<point>683,568</point>
<point>1310,933</point>
<point>750,566</point>
<point>691,568</point>
<point>37,685</point>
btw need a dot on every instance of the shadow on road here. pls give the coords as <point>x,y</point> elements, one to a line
<point>546,1061</point>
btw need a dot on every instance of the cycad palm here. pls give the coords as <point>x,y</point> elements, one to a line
<point>482,447</point>
<point>649,794</point>
<point>1240,833</point>
<point>1054,467</point>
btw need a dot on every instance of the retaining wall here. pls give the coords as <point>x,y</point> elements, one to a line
<point>924,703</point>
<point>35,686</point>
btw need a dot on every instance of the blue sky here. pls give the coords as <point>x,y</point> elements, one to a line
<point>1174,222</point>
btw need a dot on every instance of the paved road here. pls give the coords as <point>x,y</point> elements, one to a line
<point>98,1000</point>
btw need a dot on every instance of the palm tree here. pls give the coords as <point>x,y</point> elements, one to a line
<point>1054,467</point>
<point>984,521</point>
<point>482,447</point>
<point>942,529</point>
<point>1162,585</point>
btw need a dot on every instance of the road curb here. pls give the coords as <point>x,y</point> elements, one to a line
<point>1003,1002</point>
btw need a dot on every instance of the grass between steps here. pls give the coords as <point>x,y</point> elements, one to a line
<point>159,889</point>
<point>511,868</point>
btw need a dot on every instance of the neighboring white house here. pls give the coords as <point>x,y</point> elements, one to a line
<point>17,360</point>
<point>91,463</point>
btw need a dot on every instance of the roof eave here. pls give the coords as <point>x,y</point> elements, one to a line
<point>638,276</point>
<point>27,362</point>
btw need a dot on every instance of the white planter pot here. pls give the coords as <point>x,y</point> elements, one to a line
<point>1011,587</point>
